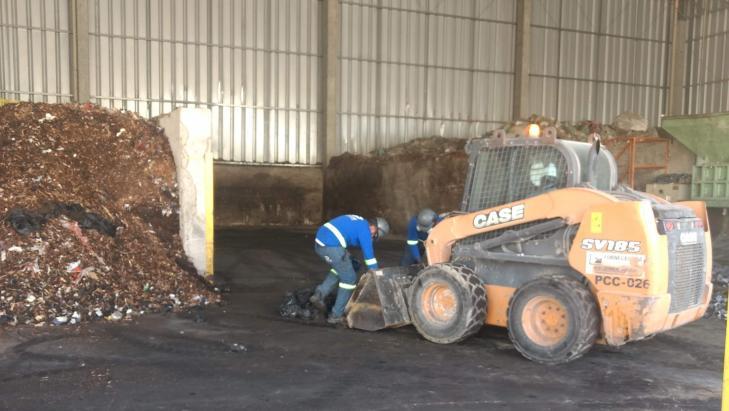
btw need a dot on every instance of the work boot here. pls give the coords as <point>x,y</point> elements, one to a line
<point>336,320</point>
<point>318,302</point>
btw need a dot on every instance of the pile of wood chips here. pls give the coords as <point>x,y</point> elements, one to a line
<point>114,167</point>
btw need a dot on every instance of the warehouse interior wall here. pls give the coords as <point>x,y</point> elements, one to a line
<point>35,51</point>
<point>596,59</point>
<point>412,69</point>
<point>706,86</point>
<point>404,68</point>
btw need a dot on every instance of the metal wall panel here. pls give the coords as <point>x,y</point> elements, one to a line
<point>593,59</point>
<point>408,68</point>
<point>707,80</point>
<point>254,63</point>
<point>34,50</point>
<point>420,68</point>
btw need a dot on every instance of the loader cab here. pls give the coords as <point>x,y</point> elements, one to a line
<point>505,168</point>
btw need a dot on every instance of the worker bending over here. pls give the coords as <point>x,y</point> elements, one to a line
<point>332,240</point>
<point>418,229</point>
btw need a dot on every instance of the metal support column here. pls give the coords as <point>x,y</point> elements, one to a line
<point>677,66</point>
<point>521,59</point>
<point>78,15</point>
<point>330,34</point>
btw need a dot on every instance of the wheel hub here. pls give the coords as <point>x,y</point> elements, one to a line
<point>545,320</point>
<point>439,303</point>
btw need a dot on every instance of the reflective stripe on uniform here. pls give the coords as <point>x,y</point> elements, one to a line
<point>371,261</point>
<point>319,242</point>
<point>337,234</point>
<point>333,271</point>
<point>412,242</point>
<point>347,286</point>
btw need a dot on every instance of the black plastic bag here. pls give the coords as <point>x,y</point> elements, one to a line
<point>25,222</point>
<point>296,305</point>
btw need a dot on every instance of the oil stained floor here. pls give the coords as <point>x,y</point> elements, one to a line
<point>243,356</point>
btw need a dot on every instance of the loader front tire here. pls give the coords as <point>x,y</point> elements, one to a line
<point>447,303</point>
<point>553,320</point>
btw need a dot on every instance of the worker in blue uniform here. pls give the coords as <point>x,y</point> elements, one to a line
<point>331,243</point>
<point>418,229</point>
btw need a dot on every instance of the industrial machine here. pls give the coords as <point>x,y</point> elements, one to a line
<point>548,245</point>
<point>706,135</point>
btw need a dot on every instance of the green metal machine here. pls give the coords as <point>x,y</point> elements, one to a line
<point>708,137</point>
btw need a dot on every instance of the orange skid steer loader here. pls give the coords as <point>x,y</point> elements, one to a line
<point>548,245</point>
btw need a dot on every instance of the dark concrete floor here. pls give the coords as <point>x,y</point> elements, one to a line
<point>172,362</point>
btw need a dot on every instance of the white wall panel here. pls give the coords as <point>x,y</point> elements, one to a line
<point>593,59</point>
<point>408,68</point>
<point>420,68</point>
<point>708,51</point>
<point>254,63</point>
<point>34,50</point>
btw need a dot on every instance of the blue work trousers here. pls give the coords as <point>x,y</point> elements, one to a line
<point>342,273</point>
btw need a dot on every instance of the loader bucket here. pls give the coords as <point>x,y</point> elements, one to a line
<point>380,299</point>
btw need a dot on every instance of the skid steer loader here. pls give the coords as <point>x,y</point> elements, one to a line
<point>548,245</point>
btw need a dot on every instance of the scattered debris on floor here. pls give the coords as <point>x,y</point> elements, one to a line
<point>720,278</point>
<point>236,348</point>
<point>296,305</point>
<point>89,218</point>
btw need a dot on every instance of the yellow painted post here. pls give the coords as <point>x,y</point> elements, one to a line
<point>209,215</point>
<point>725,386</point>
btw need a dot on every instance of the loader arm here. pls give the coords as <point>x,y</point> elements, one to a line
<point>570,204</point>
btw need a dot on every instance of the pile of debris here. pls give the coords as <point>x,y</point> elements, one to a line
<point>90,224</point>
<point>428,147</point>
<point>624,124</point>
<point>396,182</point>
<point>720,279</point>
<point>296,305</point>
<point>673,178</point>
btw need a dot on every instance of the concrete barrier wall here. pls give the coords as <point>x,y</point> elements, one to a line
<point>188,131</point>
<point>247,195</point>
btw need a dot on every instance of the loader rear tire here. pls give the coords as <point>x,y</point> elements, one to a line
<point>447,303</point>
<point>553,320</point>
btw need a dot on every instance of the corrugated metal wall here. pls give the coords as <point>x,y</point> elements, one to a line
<point>408,68</point>
<point>418,68</point>
<point>34,50</point>
<point>254,63</point>
<point>593,59</point>
<point>708,51</point>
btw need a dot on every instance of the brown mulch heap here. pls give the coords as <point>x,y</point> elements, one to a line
<point>577,130</point>
<point>428,147</point>
<point>89,224</point>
